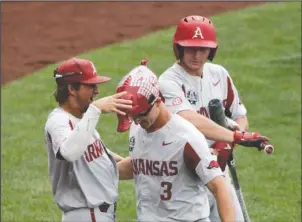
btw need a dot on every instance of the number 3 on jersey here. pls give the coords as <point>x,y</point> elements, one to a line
<point>166,193</point>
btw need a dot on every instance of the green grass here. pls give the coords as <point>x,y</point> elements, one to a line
<point>261,48</point>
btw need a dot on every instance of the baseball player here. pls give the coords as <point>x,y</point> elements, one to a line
<point>169,158</point>
<point>192,82</point>
<point>83,172</point>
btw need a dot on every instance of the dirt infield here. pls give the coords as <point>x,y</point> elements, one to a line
<point>35,34</point>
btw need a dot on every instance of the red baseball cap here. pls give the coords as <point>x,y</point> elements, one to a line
<point>78,70</point>
<point>141,87</point>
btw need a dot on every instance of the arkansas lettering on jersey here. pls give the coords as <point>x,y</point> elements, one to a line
<point>166,187</point>
<point>94,151</point>
<point>154,167</point>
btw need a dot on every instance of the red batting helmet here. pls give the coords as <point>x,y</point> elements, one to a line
<point>195,31</point>
<point>78,70</point>
<point>141,87</point>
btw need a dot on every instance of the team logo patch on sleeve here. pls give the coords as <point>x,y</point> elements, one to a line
<point>176,101</point>
<point>192,97</point>
<point>131,143</point>
<point>213,164</point>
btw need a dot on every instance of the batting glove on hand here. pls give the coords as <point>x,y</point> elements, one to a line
<point>249,139</point>
<point>224,151</point>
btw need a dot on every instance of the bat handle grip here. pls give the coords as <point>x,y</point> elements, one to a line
<point>267,148</point>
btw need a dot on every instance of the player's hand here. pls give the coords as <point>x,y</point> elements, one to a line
<point>249,139</point>
<point>114,103</point>
<point>223,150</point>
<point>232,125</point>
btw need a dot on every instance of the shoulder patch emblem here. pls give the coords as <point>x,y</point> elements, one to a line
<point>131,143</point>
<point>192,97</point>
<point>213,164</point>
<point>176,101</point>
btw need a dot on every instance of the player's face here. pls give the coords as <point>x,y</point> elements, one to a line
<point>194,58</point>
<point>85,95</point>
<point>147,118</point>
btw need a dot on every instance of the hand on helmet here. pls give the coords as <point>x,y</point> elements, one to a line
<point>114,103</point>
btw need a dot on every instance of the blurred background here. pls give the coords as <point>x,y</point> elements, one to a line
<point>35,34</point>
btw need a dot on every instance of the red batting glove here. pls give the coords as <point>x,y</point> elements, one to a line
<point>249,139</point>
<point>224,151</point>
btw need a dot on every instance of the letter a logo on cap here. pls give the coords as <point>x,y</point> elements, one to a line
<point>197,33</point>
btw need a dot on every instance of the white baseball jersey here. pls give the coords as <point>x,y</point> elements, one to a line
<point>166,189</point>
<point>183,91</point>
<point>83,183</point>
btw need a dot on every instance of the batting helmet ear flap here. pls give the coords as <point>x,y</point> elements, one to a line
<point>178,51</point>
<point>212,54</point>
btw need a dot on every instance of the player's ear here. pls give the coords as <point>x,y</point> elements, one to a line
<point>72,88</point>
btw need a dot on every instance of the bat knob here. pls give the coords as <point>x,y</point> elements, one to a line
<point>268,149</point>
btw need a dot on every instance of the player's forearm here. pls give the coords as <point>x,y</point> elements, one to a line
<point>76,143</point>
<point>125,169</point>
<point>116,157</point>
<point>223,198</point>
<point>242,122</point>
<point>206,126</point>
<point>225,206</point>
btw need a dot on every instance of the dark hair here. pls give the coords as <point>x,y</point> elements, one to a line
<point>61,94</point>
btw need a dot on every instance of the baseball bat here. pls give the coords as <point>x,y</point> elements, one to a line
<point>232,168</point>
<point>218,116</point>
<point>267,148</point>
